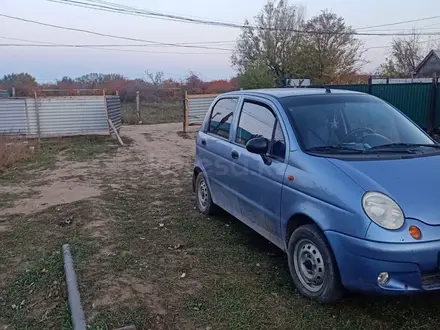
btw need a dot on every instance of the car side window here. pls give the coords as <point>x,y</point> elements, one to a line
<point>221,117</point>
<point>257,119</point>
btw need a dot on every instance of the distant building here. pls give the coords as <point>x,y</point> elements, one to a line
<point>429,65</point>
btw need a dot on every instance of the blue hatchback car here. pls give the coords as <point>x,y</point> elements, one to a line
<point>342,181</point>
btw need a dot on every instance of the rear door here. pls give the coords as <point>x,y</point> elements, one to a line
<point>259,185</point>
<point>215,148</point>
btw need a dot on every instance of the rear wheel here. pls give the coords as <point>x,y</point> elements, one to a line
<point>313,266</point>
<point>203,196</point>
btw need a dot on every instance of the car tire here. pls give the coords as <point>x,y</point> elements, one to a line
<point>312,265</point>
<point>203,196</point>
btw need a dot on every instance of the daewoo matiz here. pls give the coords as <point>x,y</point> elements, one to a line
<point>342,181</point>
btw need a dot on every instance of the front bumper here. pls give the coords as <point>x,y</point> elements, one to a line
<point>412,267</point>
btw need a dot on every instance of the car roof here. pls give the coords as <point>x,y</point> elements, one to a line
<point>286,92</point>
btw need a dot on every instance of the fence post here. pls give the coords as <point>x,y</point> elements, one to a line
<point>138,108</point>
<point>185,112</point>
<point>432,106</point>
<point>37,114</point>
<point>370,85</point>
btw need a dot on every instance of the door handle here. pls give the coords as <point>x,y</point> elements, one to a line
<point>235,154</point>
<point>203,142</point>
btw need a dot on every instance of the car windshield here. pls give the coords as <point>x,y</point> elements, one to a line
<point>354,123</point>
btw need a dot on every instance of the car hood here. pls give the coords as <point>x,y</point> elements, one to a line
<point>413,183</point>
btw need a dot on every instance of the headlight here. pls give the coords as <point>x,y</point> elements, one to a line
<point>383,210</point>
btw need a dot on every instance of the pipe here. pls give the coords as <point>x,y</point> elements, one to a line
<point>76,311</point>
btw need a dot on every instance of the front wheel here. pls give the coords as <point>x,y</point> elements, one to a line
<point>313,266</point>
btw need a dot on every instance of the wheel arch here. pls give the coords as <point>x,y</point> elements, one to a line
<point>196,172</point>
<point>295,221</point>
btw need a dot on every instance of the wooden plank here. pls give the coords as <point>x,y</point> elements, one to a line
<point>138,109</point>
<point>115,131</point>
<point>185,112</point>
<point>106,112</point>
<point>37,113</point>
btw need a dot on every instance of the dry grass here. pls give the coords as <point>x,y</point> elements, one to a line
<point>152,113</point>
<point>14,151</point>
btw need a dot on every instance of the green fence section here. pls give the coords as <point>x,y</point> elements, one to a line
<point>414,100</point>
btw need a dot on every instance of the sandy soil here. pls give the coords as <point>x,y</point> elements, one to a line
<point>153,147</point>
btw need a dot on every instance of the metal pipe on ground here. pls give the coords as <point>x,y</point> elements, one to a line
<point>76,311</point>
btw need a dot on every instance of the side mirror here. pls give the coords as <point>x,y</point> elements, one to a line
<point>258,145</point>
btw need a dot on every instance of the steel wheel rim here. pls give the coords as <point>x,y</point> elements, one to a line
<point>202,193</point>
<point>309,265</point>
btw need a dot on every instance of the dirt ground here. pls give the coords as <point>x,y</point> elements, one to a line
<point>145,256</point>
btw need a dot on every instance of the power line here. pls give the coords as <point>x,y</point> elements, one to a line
<point>137,8</point>
<point>97,46</point>
<point>103,48</point>
<point>384,47</point>
<point>119,45</point>
<point>112,7</point>
<point>109,35</point>
<point>399,23</point>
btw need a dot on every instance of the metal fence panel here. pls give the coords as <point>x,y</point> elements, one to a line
<point>72,115</point>
<point>412,99</point>
<point>198,107</point>
<point>114,111</point>
<point>12,116</point>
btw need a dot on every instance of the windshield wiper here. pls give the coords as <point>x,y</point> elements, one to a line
<point>334,148</point>
<point>400,147</point>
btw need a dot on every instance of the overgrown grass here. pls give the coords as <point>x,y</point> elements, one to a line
<point>44,154</point>
<point>14,151</point>
<point>152,113</point>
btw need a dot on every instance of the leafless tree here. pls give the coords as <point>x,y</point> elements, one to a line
<point>281,39</point>
<point>156,78</point>
<point>406,53</point>
<point>334,51</point>
<point>274,41</point>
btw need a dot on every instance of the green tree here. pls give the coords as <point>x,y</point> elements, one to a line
<point>256,75</point>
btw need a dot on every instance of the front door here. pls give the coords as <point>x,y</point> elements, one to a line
<point>259,183</point>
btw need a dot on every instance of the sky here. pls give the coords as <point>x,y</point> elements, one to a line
<point>49,64</point>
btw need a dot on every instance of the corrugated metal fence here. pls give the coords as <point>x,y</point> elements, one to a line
<point>195,108</point>
<point>13,116</point>
<point>113,104</point>
<point>59,116</point>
